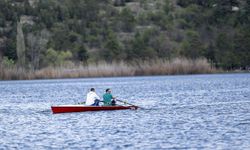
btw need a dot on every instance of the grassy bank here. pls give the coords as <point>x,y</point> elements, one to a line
<point>104,69</point>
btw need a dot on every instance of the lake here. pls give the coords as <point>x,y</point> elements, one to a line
<point>179,112</point>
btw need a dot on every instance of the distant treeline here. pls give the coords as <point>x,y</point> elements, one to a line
<point>35,34</point>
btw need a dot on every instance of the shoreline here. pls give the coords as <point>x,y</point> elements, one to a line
<point>214,73</point>
<point>177,66</point>
<point>114,69</point>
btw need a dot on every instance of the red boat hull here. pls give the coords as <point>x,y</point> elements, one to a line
<point>80,108</point>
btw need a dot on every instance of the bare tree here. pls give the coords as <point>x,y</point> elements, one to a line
<point>37,43</point>
<point>20,45</point>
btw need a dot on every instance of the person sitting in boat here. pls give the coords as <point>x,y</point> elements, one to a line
<point>108,98</point>
<point>92,98</point>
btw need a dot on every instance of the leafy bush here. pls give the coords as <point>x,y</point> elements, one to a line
<point>8,63</point>
<point>54,58</point>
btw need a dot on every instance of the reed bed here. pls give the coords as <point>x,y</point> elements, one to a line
<point>104,69</point>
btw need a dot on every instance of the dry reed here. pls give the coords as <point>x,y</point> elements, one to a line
<point>104,69</point>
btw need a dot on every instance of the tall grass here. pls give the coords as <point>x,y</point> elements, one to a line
<point>13,73</point>
<point>104,69</point>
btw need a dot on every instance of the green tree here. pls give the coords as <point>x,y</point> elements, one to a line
<point>83,54</point>
<point>128,20</point>
<point>142,46</point>
<point>10,50</point>
<point>193,47</point>
<point>119,3</point>
<point>223,10</point>
<point>185,3</point>
<point>8,63</point>
<point>225,55</point>
<point>242,46</point>
<point>112,48</point>
<point>2,20</point>
<point>54,58</point>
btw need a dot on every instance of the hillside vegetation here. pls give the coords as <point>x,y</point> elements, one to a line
<point>38,34</point>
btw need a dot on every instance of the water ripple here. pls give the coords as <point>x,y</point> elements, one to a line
<point>178,112</point>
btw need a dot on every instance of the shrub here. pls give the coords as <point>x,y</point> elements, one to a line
<point>8,63</point>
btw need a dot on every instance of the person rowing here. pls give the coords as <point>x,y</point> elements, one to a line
<point>92,98</point>
<point>108,98</point>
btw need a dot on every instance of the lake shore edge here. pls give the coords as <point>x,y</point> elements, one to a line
<point>177,66</point>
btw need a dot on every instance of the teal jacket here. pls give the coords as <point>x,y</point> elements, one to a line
<point>107,98</point>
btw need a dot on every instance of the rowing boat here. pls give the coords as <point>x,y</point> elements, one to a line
<point>82,108</point>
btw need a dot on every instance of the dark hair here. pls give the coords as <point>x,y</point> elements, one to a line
<point>107,89</point>
<point>92,89</point>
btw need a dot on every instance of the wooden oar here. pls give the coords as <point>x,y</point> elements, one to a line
<point>126,103</point>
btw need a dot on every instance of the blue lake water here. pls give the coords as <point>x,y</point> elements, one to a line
<point>179,112</point>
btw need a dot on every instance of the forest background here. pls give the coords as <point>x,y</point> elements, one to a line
<point>86,38</point>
